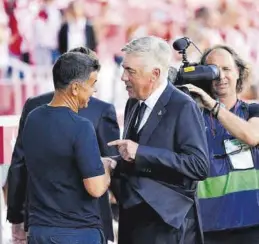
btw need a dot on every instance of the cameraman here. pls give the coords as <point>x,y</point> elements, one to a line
<point>229,197</point>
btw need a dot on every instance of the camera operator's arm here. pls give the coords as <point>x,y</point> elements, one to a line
<point>246,131</point>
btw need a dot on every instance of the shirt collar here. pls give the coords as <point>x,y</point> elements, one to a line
<point>152,99</point>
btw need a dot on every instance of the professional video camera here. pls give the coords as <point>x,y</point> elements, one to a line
<point>193,73</point>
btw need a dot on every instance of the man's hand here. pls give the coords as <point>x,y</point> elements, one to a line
<point>207,101</point>
<point>127,149</point>
<point>109,163</point>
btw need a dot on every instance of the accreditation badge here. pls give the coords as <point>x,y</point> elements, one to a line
<point>239,154</point>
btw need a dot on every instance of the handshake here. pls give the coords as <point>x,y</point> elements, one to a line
<point>127,151</point>
<point>109,163</point>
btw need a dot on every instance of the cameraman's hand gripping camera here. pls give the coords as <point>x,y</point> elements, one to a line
<point>199,75</point>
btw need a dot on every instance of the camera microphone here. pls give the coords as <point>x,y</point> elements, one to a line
<point>181,44</point>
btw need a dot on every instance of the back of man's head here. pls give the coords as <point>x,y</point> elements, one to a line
<point>84,50</point>
<point>89,52</point>
<point>73,66</point>
<point>172,74</point>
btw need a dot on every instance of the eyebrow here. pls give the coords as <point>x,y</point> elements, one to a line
<point>128,68</point>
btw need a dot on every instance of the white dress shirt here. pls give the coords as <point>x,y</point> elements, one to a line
<point>76,34</point>
<point>151,102</point>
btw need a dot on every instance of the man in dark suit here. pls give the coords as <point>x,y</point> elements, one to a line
<point>103,117</point>
<point>163,154</point>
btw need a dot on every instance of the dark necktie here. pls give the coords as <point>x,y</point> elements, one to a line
<point>137,117</point>
<point>140,115</point>
<point>129,196</point>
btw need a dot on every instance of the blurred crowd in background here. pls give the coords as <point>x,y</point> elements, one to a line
<point>33,33</point>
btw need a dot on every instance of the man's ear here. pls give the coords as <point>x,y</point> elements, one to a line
<point>155,74</point>
<point>75,89</point>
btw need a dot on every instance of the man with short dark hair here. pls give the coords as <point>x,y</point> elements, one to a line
<point>62,157</point>
<point>103,117</point>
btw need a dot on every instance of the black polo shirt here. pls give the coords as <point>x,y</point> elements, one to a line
<point>61,150</point>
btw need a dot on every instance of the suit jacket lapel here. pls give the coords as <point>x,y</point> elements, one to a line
<point>156,115</point>
<point>152,122</point>
<point>129,121</point>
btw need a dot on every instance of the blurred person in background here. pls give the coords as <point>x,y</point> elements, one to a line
<point>206,21</point>
<point>104,119</point>
<point>236,27</point>
<point>45,32</point>
<point>109,26</point>
<point>77,30</point>
<point>229,197</point>
<point>100,21</point>
<point>15,35</point>
<point>16,38</point>
<point>4,43</point>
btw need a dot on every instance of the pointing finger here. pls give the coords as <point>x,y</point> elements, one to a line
<point>117,143</point>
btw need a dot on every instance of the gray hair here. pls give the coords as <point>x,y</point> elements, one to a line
<point>158,52</point>
<point>172,74</point>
